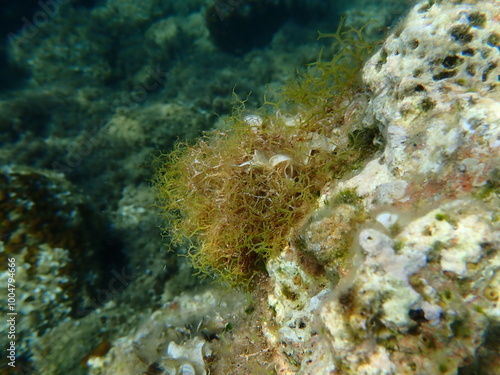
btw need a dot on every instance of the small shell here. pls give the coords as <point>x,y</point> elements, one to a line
<point>387,219</point>
<point>276,159</point>
<point>283,164</point>
<point>291,121</point>
<point>320,142</point>
<point>186,369</point>
<point>253,120</point>
<point>259,158</point>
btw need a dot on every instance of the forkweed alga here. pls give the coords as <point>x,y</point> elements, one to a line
<point>239,194</point>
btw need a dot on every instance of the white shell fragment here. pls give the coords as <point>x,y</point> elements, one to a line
<point>277,159</point>
<point>387,219</point>
<point>186,369</point>
<point>253,120</point>
<point>320,142</point>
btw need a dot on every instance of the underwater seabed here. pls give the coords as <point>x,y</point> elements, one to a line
<point>352,224</point>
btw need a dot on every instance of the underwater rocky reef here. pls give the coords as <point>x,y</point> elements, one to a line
<point>342,219</point>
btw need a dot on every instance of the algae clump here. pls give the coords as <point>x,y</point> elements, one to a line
<point>239,194</point>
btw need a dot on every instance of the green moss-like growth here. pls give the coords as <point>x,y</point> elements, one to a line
<point>238,194</point>
<point>346,196</point>
<point>337,71</point>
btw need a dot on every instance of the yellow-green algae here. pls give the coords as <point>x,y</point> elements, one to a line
<point>237,195</point>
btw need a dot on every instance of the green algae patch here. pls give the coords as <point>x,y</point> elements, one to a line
<point>238,195</point>
<point>336,72</point>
